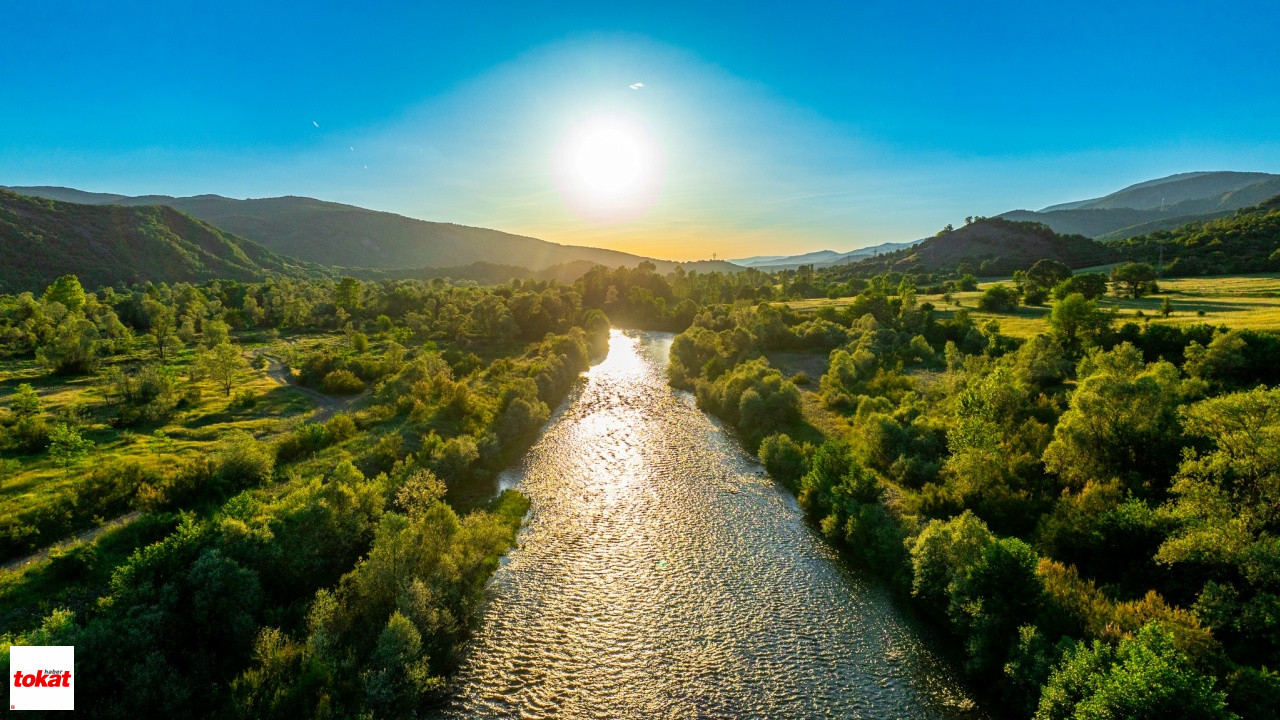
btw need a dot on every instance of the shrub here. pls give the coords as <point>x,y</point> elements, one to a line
<point>306,439</point>
<point>998,298</point>
<point>31,434</point>
<point>1035,295</point>
<point>243,462</point>
<point>784,459</point>
<point>244,399</point>
<point>340,427</point>
<point>387,452</point>
<point>342,382</point>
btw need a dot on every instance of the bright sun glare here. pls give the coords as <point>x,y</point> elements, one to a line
<point>609,168</point>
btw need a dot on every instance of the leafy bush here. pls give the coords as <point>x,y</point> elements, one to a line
<point>342,382</point>
<point>999,299</point>
<point>243,462</point>
<point>340,427</point>
<point>784,459</point>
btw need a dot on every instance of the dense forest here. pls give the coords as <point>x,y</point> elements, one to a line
<point>1092,513</point>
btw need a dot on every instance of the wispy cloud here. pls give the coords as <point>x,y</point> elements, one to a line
<point>637,86</point>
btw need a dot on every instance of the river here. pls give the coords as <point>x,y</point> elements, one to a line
<point>662,574</point>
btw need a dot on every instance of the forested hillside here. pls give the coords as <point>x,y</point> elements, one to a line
<point>332,233</point>
<point>41,240</point>
<point>1247,241</point>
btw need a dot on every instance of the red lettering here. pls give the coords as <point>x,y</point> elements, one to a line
<point>56,679</point>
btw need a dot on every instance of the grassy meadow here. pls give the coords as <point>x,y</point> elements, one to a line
<point>1234,301</point>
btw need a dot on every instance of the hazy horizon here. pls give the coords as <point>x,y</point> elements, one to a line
<point>672,135</point>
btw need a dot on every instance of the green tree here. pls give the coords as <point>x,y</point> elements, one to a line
<point>67,447</point>
<point>1221,361</point>
<point>419,492</point>
<point>784,459</point>
<point>1048,273</point>
<point>68,291</point>
<point>221,364</point>
<point>25,401</point>
<point>162,325</point>
<point>999,298</point>
<point>1091,285</point>
<point>1122,422</point>
<point>941,552</point>
<point>1133,278</point>
<point>347,294</point>
<point>397,674</point>
<point>991,597</point>
<point>1145,678</point>
<point>1078,323</point>
<point>1227,502</point>
<point>73,348</point>
<point>216,332</point>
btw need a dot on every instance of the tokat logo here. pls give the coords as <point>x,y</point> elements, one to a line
<point>41,677</point>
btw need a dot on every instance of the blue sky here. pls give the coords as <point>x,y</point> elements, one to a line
<point>773,128</point>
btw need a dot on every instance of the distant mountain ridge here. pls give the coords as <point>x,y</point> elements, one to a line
<point>335,234</point>
<point>42,239</point>
<point>1159,204</point>
<point>820,258</point>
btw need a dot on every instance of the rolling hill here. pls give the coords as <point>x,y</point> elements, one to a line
<point>1159,204</point>
<point>334,234</point>
<point>988,247</point>
<point>41,240</point>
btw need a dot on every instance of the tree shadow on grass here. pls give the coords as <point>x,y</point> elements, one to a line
<point>278,403</point>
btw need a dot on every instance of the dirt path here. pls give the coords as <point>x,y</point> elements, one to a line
<point>326,405</point>
<point>87,536</point>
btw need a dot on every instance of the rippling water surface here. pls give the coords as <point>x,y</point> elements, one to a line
<point>661,574</point>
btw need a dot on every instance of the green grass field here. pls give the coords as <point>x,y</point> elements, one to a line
<point>1236,301</point>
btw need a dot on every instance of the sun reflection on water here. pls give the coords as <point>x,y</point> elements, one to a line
<point>659,575</point>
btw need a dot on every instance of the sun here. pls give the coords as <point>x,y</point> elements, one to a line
<point>609,168</point>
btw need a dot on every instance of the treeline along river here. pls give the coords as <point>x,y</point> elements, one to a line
<point>662,574</point>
